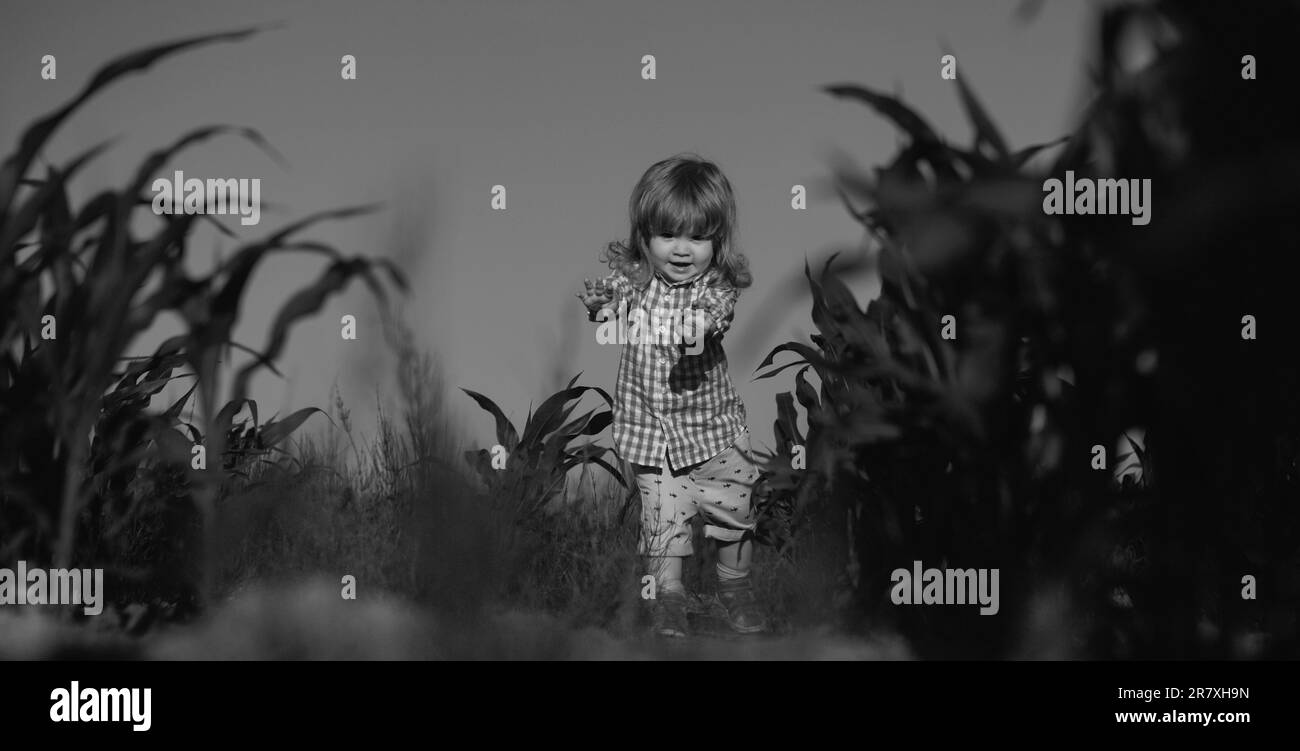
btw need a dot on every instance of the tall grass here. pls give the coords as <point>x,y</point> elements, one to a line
<point>415,519</point>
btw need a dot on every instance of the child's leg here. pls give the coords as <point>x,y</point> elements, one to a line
<point>666,511</point>
<point>724,486</point>
<point>734,558</point>
<point>667,571</point>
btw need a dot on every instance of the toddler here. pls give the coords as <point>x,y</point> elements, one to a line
<point>677,417</point>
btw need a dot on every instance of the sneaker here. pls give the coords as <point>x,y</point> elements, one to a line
<point>736,596</point>
<point>668,614</point>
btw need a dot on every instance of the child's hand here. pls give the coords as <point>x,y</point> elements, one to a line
<point>596,296</point>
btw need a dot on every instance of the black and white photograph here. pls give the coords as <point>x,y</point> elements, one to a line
<point>702,331</point>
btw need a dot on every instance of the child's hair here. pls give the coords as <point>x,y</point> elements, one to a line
<point>683,192</point>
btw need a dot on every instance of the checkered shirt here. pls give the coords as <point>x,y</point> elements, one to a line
<point>665,397</point>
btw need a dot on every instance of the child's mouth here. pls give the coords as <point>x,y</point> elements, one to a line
<point>680,266</point>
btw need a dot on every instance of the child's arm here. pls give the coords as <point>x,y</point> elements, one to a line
<point>719,303</point>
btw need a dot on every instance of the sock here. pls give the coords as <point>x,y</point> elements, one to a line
<point>727,573</point>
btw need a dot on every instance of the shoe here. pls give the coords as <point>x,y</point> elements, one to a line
<point>668,614</point>
<point>737,597</point>
<point>706,605</point>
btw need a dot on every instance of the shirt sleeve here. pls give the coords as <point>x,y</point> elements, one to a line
<point>719,303</point>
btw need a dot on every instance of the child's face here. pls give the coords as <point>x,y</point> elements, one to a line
<point>682,257</point>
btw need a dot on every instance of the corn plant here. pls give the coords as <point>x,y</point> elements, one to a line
<point>973,450</point>
<point>538,461</point>
<point>62,377</point>
<point>904,432</point>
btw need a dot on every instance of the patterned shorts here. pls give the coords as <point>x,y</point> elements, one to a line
<point>721,488</point>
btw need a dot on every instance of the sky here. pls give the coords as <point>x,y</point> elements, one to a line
<point>547,100</point>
